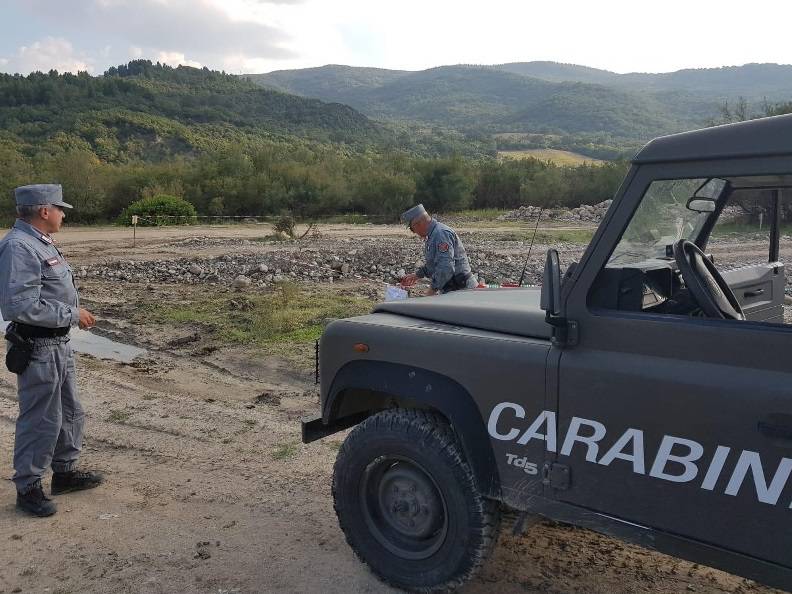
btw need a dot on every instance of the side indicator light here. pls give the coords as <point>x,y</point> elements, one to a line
<point>361,347</point>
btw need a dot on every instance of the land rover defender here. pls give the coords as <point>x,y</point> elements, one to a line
<point>646,394</point>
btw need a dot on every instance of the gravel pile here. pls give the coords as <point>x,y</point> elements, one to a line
<point>377,259</point>
<point>587,213</point>
<point>325,261</point>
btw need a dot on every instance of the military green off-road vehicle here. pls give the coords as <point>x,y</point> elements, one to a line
<point>646,395</point>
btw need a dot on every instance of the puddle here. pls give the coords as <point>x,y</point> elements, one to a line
<point>84,341</point>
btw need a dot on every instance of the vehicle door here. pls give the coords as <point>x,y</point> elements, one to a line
<point>677,422</point>
<point>749,227</point>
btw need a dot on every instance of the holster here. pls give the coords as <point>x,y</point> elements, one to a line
<point>19,353</point>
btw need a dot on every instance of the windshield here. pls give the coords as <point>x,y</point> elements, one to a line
<point>663,217</point>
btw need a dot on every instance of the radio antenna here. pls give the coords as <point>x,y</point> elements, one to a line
<point>533,238</point>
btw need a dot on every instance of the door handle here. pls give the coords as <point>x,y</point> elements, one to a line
<point>755,293</point>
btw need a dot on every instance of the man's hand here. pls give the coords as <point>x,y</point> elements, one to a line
<point>431,291</point>
<point>86,319</point>
<point>408,280</point>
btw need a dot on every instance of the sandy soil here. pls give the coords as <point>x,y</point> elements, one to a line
<point>209,489</point>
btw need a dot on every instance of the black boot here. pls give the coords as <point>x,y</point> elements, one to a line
<point>74,480</point>
<point>33,501</point>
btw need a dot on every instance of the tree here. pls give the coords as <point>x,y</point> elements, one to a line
<point>159,210</point>
<point>777,108</point>
<point>384,193</point>
<point>443,185</point>
<point>79,172</point>
<point>15,170</point>
<point>498,186</point>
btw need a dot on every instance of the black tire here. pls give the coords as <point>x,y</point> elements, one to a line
<point>407,502</point>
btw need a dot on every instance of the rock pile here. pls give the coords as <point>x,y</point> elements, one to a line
<point>524,213</point>
<point>587,213</point>
<point>493,258</point>
<point>371,259</point>
<point>593,213</point>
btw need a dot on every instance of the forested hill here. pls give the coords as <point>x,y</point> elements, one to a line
<point>755,82</point>
<point>336,82</point>
<point>150,111</point>
<point>493,100</point>
<point>231,148</point>
<point>542,97</point>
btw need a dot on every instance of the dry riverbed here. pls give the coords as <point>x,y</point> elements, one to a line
<point>209,489</point>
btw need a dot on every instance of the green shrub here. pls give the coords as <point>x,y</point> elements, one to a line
<point>159,210</point>
<point>285,224</point>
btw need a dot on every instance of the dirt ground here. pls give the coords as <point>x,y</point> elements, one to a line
<point>209,489</point>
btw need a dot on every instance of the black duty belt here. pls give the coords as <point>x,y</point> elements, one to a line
<point>27,331</point>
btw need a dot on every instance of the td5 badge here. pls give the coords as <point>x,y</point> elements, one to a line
<point>522,462</point>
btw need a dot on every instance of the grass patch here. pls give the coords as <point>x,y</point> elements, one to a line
<point>288,314</point>
<point>752,230</point>
<point>357,219</point>
<point>471,215</point>
<point>118,416</point>
<point>559,157</point>
<point>547,236</point>
<point>564,235</point>
<point>284,451</point>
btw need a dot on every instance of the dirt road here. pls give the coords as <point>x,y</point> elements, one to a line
<point>209,489</point>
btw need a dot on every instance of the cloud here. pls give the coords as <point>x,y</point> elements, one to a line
<point>200,29</point>
<point>50,53</point>
<point>176,59</point>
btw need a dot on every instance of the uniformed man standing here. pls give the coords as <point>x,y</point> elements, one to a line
<point>446,263</point>
<point>38,296</point>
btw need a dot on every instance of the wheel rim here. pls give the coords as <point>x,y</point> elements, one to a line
<point>403,507</point>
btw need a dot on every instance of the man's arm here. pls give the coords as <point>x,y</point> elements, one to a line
<point>20,291</point>
<point>410,279</point>
<point>444,262</point>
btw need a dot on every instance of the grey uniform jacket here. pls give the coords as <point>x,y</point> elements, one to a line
<point>36,283</point>
<point>445,256</point>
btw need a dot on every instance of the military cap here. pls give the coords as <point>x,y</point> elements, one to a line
<point>40,194</point>
<point>416,211</point>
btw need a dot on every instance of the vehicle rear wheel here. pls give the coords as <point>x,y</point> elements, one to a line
<point>407,502</point>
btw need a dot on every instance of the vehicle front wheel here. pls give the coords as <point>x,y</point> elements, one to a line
<point>407,502</point>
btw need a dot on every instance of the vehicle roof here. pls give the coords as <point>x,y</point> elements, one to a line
<point>764,137</point>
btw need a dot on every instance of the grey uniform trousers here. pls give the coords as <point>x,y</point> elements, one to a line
<point>49,429</point>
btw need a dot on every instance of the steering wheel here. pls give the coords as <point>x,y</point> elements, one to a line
<point>705,283</point>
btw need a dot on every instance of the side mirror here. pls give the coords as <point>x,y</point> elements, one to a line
<point>701,204</point>
<point>551,284</point>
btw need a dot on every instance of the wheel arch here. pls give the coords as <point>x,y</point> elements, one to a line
<point>363,388</point>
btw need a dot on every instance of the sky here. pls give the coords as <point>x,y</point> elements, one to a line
<point>252,36</point>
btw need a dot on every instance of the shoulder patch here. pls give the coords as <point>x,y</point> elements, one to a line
<point>53,261</point>
<point>443,247</point>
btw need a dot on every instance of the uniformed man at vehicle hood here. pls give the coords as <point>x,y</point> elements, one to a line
<point>446,263</point>
<point>38,296</point>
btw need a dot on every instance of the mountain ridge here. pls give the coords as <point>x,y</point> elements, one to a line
<point>539,96</point>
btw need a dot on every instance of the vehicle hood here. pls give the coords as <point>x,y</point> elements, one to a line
<point>511,311</point>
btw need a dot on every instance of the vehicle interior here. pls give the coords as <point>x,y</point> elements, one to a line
<point>702,247</point>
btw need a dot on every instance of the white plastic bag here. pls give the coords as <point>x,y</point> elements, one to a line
<point>394,293</point>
